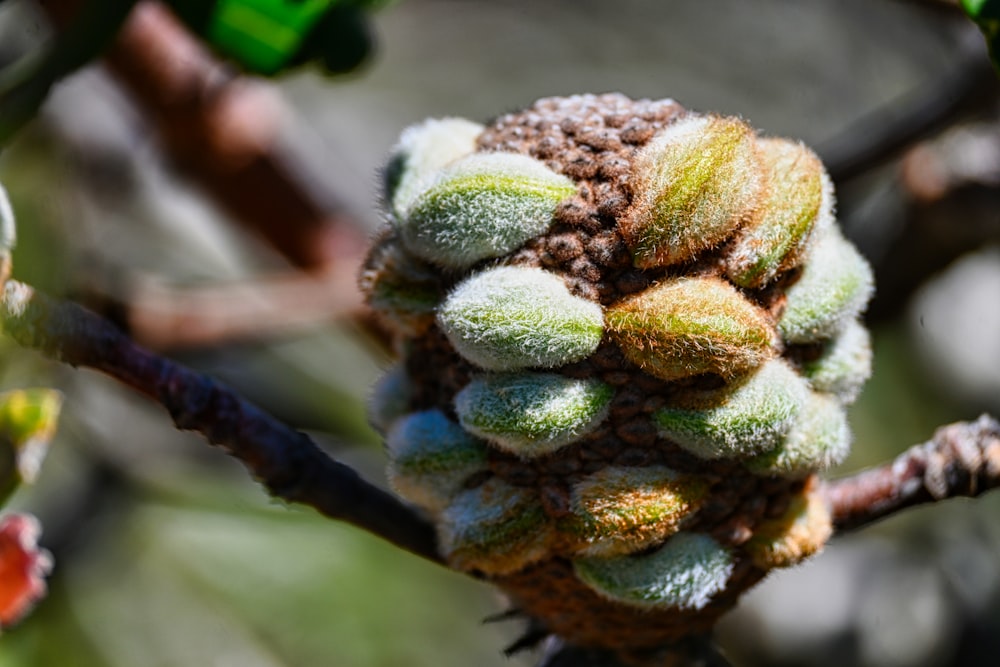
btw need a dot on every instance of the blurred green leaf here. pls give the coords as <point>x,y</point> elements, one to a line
<point>986,14</point>
<point>269,36</point>
<point>28,419</point>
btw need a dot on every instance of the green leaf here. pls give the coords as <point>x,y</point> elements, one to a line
<point>986,14</point>
<point>28,420</point>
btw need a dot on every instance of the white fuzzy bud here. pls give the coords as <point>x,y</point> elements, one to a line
<point>740,420</point>
<point>481,206</point>
<point>835,286</point>
<point>844,366</point>
<point>422,150</point>
<point>819,439</point>
<point>508,318</point>
<point>495,528</point>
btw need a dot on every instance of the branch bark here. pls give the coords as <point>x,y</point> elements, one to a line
<point>961,459</point>
<point>288,463</point>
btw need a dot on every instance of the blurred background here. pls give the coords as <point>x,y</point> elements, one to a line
<point>220,219</point>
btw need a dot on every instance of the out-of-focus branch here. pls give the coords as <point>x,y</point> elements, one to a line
<point>25,84</point>
<point>886,132</point>
<point>951,186</point>
<point>962,459</point>
<point>224,131</point>
<point>285,461</point>
<point>164,317</point>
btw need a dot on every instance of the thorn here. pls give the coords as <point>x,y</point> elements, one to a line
<point>506,615</point>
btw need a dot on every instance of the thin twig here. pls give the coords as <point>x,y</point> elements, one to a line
<point>285,461</point>
<point>962,459</point>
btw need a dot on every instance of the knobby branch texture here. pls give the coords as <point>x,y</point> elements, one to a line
<point>288,463</point>
<point>962,459</point>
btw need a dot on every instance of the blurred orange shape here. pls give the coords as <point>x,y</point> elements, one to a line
<point>23,567</point>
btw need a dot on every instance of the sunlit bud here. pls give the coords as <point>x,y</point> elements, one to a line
<point>483,205</point>
<point>844,366</point>
<point>695,183</point>
<point>688,326</point>
<point>422,150</point>
<point>835,286</point>
<point>790,206</point>
<point>819,439</point>
<point>619,510</point>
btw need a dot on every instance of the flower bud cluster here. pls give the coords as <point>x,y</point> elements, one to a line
<point>628,334</point>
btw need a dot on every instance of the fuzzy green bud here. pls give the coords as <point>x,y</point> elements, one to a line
<point>844,366</point>
<point>398,286</point>
<point>688,326</point>
<point>481,206</point>
<point>531,414</point>
<point>495,528</point>
<point>430,457</point>
<point>835,286</point>
<point>793,201</point>
<point>508,318</point>
<point>422,150</point>
<point>819,439</point>
<point>740,420</point>
<point>682,574</point>
<point>618,510</point>
<point>695,183</point>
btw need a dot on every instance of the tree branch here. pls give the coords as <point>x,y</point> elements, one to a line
<point>224,130</point>
<point>962,459</point>
<point>25,84</point>
<point>285,461</point>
